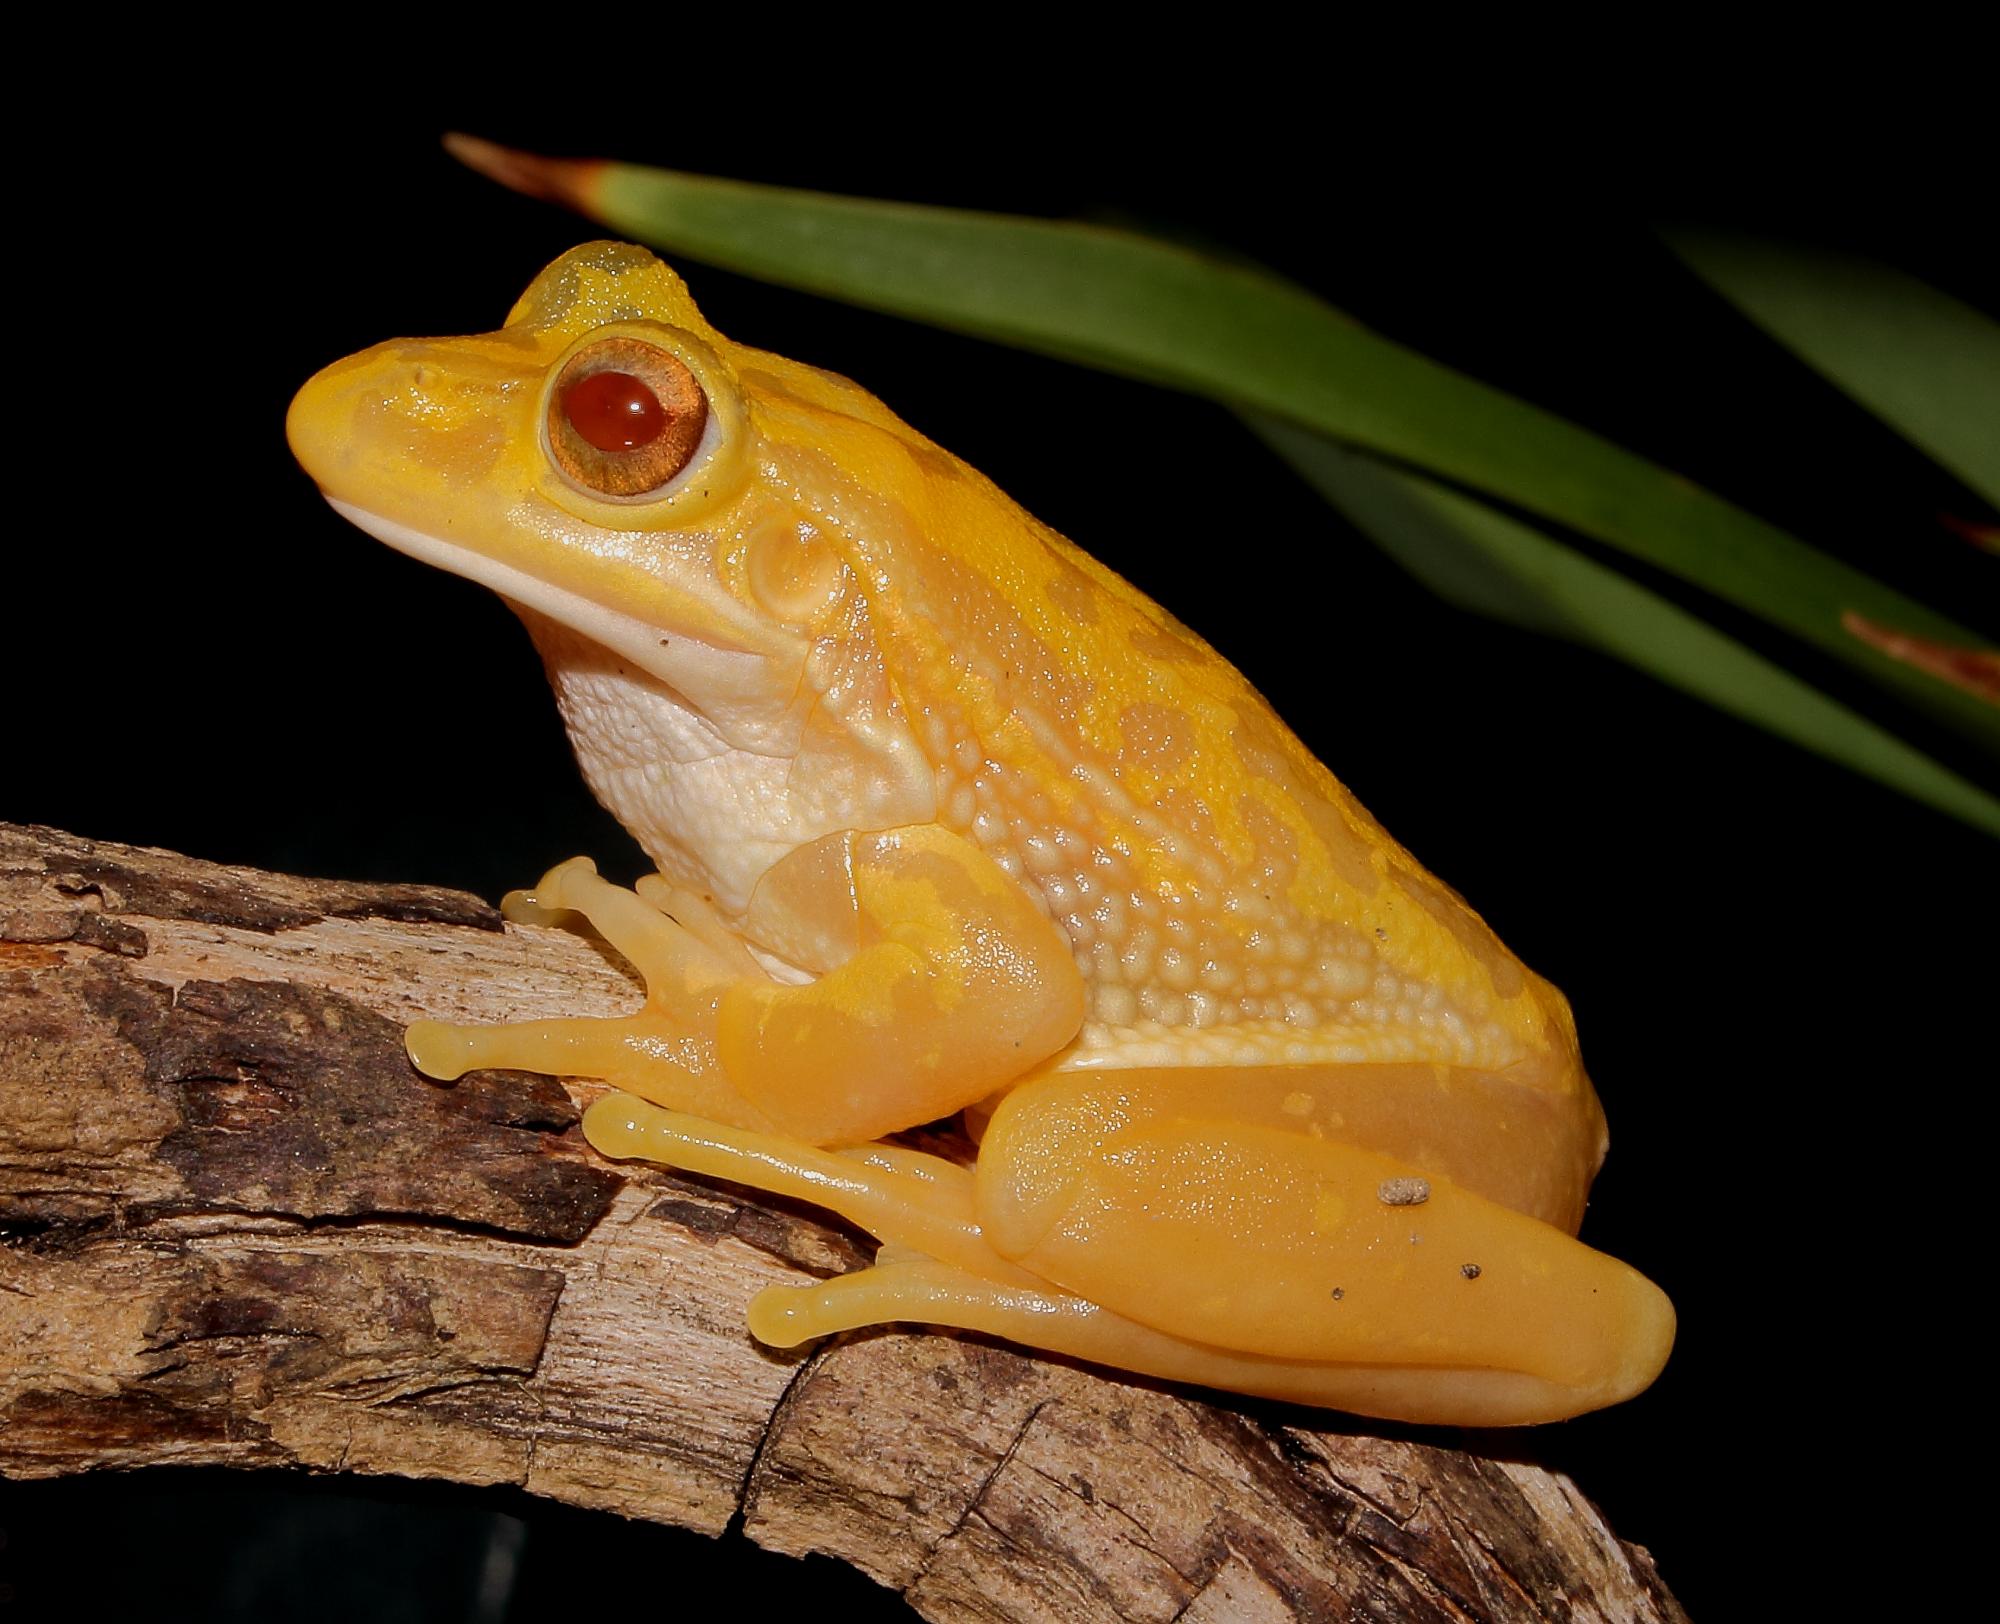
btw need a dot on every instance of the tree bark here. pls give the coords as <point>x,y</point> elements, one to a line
<point>239,1229</point>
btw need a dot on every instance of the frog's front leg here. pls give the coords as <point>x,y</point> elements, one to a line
<point>939,979</point>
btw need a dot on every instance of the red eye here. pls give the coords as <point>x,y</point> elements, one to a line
<point>614,411</point>
<point>625,417</point>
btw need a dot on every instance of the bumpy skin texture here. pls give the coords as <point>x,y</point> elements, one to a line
<point>948,816</point>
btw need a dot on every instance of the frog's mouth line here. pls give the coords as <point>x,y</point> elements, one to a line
<point>694,663</point>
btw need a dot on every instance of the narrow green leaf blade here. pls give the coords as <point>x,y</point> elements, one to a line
<point>1495,565</point>
<point>1154,310</point>
<point>1911,354</point>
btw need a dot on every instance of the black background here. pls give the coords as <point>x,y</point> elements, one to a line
<point>1783,974</point>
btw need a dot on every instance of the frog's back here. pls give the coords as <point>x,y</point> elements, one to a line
<point>1227,898</point>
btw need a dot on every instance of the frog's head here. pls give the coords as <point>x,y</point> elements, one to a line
<point>628,479</point>
<point>582,461</point>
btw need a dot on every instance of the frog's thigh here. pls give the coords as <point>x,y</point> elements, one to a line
<point>1245,1236</point>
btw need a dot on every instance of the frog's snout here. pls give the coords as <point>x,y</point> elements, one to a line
<point>336,421</point>
<point>312,421</point>
<point>407,428</point>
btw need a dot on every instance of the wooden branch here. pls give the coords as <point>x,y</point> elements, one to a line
<point>240,1230</point>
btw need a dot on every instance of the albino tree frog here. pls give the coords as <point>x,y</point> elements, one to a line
<point>948,817</point>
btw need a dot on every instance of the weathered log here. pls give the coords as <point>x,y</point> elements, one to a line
<point>240,1230</point>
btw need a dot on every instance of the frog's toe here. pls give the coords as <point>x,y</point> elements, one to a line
<point>444,1051</point>
<point>683,968</point>
<point>552,896</point>
<point>638,1044</point>
<point>910,1289</point>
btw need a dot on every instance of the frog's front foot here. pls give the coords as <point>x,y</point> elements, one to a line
<point>954,982</point>
<point>681,949</point>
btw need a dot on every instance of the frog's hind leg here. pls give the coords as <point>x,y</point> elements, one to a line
<point>1232,1233</point>
<point>935,1266</point>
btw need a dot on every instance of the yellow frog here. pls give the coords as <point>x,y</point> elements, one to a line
<point>948,817</point>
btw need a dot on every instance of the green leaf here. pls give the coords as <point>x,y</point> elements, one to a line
<point>1915,357</point>
<point>1240,335</point>
<point>1487,562</point>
